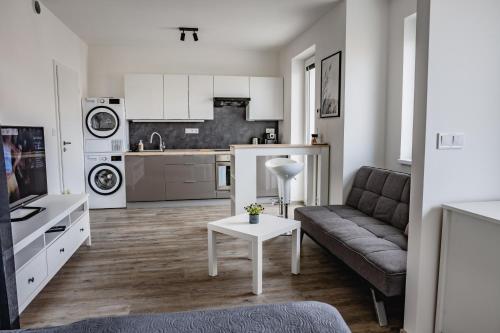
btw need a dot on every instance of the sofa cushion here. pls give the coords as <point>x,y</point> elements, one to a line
<point>382,194</point>
<point>343,211</point>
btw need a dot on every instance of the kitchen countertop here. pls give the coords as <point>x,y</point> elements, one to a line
<point>278,145</point>
<point>218,151</point>
<point>179,152</point>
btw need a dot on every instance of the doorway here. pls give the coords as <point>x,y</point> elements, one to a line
<point>70,133</point>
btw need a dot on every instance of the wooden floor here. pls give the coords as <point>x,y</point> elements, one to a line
<point>155,260</point>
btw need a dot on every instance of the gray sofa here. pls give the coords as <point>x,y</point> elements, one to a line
<point>299,317</point>
<point>368,232</point>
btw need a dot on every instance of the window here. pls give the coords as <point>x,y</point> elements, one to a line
<point>410,28</point>
<point>310,99</point>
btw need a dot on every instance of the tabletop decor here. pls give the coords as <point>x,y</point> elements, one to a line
<point>254,210</point>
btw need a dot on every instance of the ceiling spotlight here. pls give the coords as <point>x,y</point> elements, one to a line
<point>193,30</point>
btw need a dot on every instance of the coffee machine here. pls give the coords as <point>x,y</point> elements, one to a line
<point>270,136</point>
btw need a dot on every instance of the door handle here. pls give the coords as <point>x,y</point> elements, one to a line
<point>66,143</point>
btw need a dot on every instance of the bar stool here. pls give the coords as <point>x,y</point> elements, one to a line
<point>284,169</point>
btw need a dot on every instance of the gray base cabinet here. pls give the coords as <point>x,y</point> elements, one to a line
<point>159,178</point>
<point>145,178</point>
<point>184,177</point>
<point>190,181</point>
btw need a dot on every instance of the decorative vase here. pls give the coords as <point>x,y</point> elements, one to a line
<point>253,219</point>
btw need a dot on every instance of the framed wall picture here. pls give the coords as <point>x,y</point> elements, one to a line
<point>330,85</point>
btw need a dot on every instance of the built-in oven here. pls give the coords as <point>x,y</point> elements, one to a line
<point>223,172</point>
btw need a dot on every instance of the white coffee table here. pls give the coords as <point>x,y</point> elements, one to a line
<point>269,227</point>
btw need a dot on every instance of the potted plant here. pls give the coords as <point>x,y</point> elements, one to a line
<point>254,210</point>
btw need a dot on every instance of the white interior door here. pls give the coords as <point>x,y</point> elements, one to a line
<point>68,97</point>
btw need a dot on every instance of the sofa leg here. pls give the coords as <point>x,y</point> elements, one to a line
<point>379,309</point>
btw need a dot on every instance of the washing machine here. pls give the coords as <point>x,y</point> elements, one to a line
<point>105,180</point>
<point>105,125</point>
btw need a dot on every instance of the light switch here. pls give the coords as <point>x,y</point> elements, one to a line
<point>191,131</point>
<point>458,140</point>
<point>450,141</point>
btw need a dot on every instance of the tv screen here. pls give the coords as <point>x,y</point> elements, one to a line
<point>24,158</point>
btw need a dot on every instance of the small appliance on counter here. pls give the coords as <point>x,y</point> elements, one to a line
<point>270,136</point>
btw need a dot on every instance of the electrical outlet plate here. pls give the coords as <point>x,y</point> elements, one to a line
<point>191,131</point>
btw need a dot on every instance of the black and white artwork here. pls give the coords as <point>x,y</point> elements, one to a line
<point>330,86</point>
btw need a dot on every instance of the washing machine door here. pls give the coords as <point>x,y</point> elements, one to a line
<point>102,122</point>
<point>105,179</point>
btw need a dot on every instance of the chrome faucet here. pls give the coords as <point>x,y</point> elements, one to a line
<point>162,147</point>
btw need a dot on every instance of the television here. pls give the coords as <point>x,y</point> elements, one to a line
<point>25,167</point>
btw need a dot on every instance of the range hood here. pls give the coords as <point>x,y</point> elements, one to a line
<point>231,101</point>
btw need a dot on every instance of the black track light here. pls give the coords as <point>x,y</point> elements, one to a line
<point>193,30</point>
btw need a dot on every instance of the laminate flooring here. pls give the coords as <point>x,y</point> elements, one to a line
<point>150,260</point>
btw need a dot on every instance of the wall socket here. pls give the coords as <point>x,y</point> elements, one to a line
<point>191,130</point>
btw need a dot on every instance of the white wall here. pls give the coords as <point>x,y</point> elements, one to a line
<point>457,87</point>
<point>365,86</point>
<point>108,63</point>
<point>398,10</point>
<point>29,44</point>
<point>327,36</point>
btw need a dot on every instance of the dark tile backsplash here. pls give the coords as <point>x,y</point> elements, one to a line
<point>228,127</point>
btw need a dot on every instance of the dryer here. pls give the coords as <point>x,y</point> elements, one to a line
<point>105,125</point>
<point>105,180</point>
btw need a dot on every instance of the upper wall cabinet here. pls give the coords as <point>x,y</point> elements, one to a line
<point>266,98</point>
<point>231,86</point>
<point>175,97</point>
<point>201,97</point>
<point>144,96</point>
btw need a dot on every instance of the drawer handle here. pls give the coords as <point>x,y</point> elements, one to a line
<point>31,280</point>
<point>82,229</point>
<point>190,181</point>
<point>61,250</point>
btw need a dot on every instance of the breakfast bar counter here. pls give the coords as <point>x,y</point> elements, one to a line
<point>243,170</point>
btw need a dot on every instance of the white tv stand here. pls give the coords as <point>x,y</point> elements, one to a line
<point>38,255</point>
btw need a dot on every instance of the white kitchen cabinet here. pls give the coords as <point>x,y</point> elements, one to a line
<point>266,98</point>
<point>201,95</point>
<point>231,86</point>
<point>144,96</point>
<point>175,97</point>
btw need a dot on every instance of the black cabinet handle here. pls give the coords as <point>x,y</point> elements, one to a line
<point>31,280</point>
<point>82,229</point>
<point>61,250</point>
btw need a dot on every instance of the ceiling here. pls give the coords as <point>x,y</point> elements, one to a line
<point>245,24</point>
